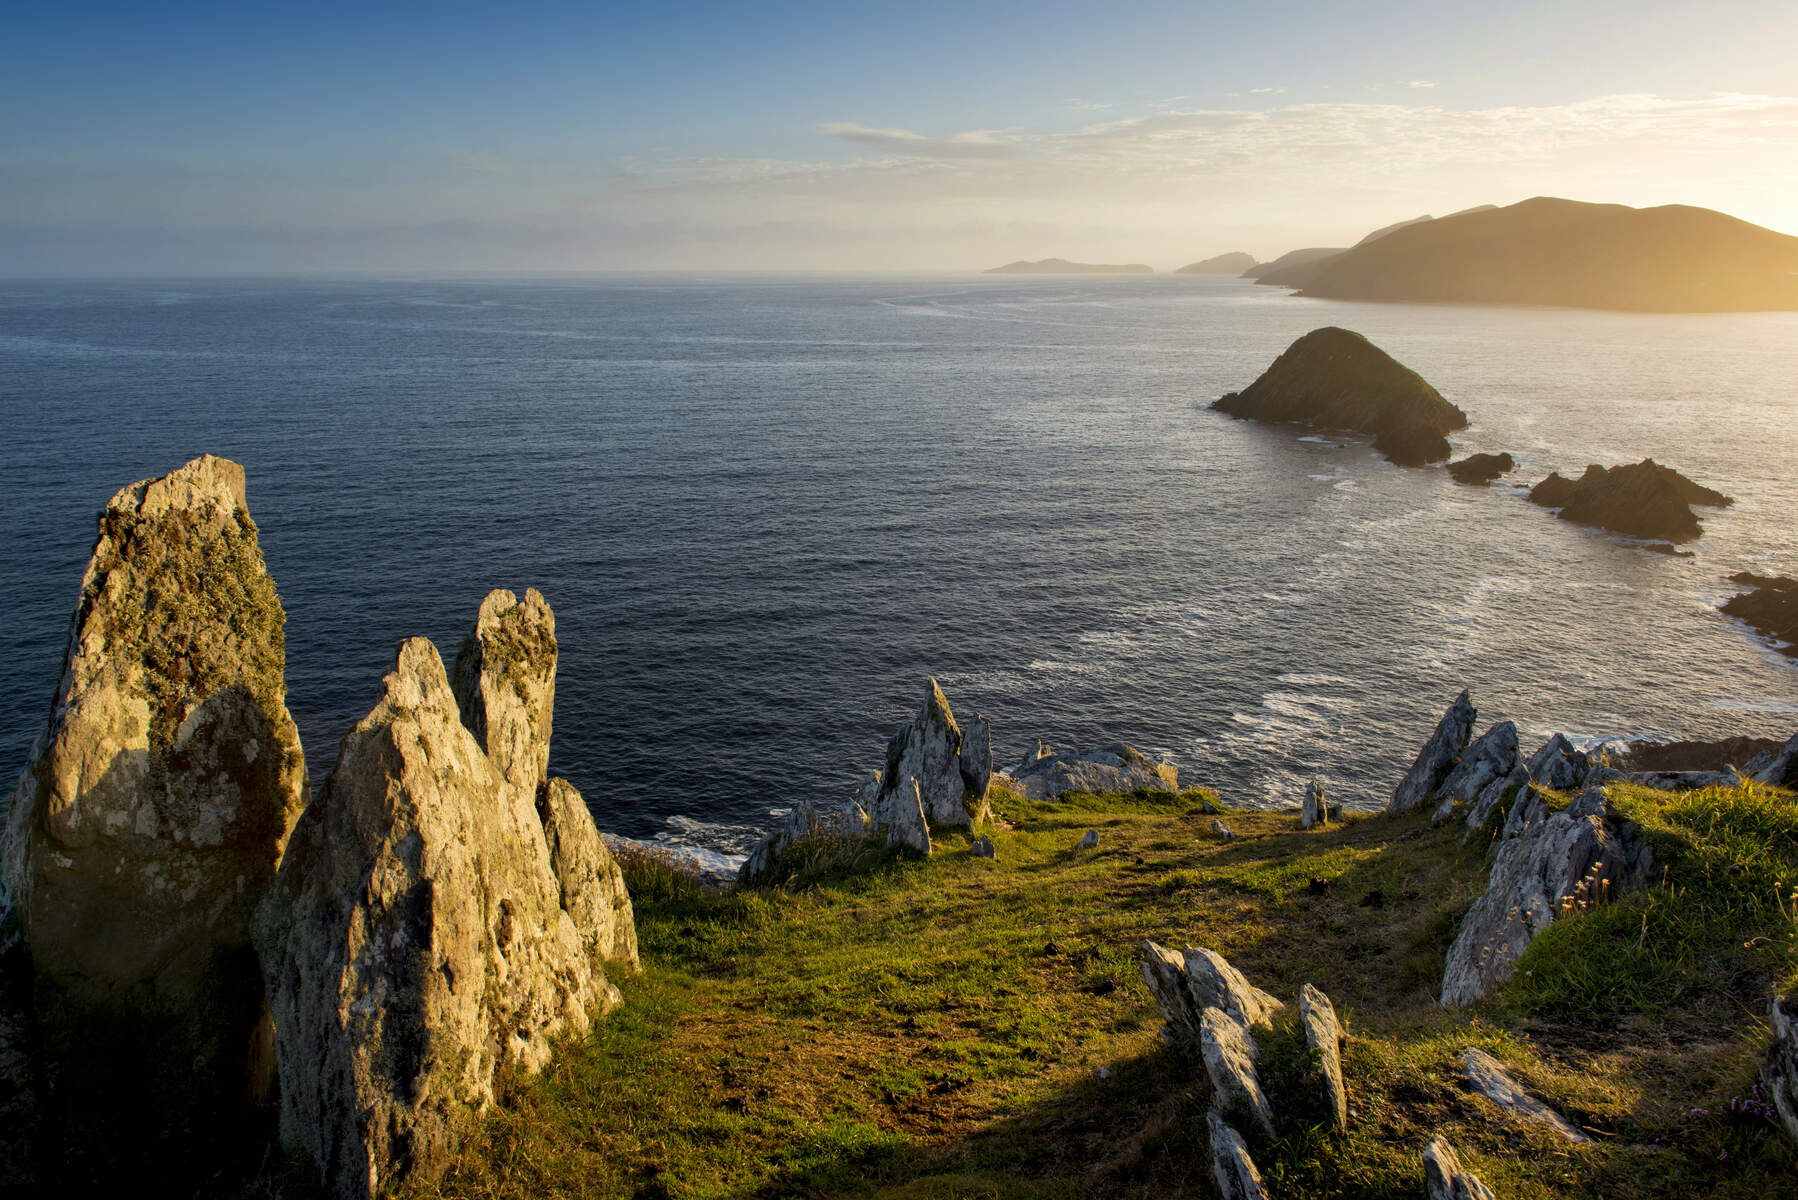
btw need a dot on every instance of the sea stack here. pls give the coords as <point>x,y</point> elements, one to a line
<point>1643,500</point>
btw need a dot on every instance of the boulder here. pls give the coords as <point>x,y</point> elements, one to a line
<point>1185,985</point>
<point>1437,758</point>
<point>1558,765</point>
<point>928,751</point>
<point>1314,811</point>
<point>1770,605</point>
<point>1231,1166</point>
<point>1089,841</point>
<point>1547,866</point>
<point>505,684</point>
<point>1111,768</point>
<point>1445,1179</point>
<point>1481,469</point>
<point>415,944</point>
<point>1487,1076</point>
<point>588,878</point>
<point>1779,1071</point>
<point>1333,378</point>
<point>1228,1049</point>
<point>147,826</point>
<point>1492,757</point>
<point>1323,1034</point>
<point>1644,500</point>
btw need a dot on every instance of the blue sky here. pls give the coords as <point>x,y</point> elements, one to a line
<point>447,137</point>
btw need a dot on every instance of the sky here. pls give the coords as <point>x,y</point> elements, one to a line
<point>198,138</point>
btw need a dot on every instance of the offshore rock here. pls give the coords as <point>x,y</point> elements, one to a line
<point>589,879</point>
<point>1112,768</point>
<point>928,750</point>
<point>1770,605</point>
<point>1228,1049</point>
<point>1489,1078</point>
<point>1644,500</point>
<point>1558,764</point>
<point>1323,1034</point>
<point>1315,810</point>
<point>1185,985</point>
<point>1334,378</point>
<point>1547,867</point>
<point>146,827</point>
<point>1780,1069</point>
<point>1492,757</point>
<point>505,684</point>
<point>1437,758</point>
<point>414,943</point>
<point>1231,1166</point>
<point>1444,1178</point>
<point>1481,469</point>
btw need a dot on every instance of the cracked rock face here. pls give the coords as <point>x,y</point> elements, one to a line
<point>505,684</point>
<point>415,942</point>
<point>589,878</point>
<point>1229,1052</point>
<point>900,811</point>
<point>149,823</point>
<point>1780,1069</point>
<point>1186,984</point>
<point>1490,758</point>
<point>1437,758</point>
<point>1558,764</point>
<point>928,750</point>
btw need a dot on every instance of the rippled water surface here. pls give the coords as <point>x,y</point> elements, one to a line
<point>765,509</point>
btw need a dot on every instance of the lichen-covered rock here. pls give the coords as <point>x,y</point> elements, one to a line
<point>1231,1166</point>
<point>505,684</point>
<point>1185,985</point>
<point>1323,1034</point>
<point>1314,811</point>
<point>1437,758</point>
<point>1558,764</point>
<point>414,942</point>
<point>1492,756</point>
<point>1445,1179</point>
<point>1644,500</point>
<point>1111,768</point>
<point>589,878</point>
<point>1228,1049</point>
<point>927,750</point>
<point>1546,867</point>
<point>900,812</point>
<point>1779,1071</point>
<point>1487,1076</point>
<point>148,824</point>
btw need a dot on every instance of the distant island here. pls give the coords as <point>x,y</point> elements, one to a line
<point>1293,267</point>
<point>1061,266</point>
<point>1563,253</point>
<point>1233,263</point>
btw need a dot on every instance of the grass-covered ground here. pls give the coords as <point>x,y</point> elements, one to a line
<point>959,1027</point>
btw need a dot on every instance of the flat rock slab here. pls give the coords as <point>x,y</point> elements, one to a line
<point>1231,1166</point>
<point>1229,1052</point>
<point>1489,1078</point>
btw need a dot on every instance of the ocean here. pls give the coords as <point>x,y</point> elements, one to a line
<point>766,508</point>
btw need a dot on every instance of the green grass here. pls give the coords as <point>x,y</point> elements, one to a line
<point>960,1027</point>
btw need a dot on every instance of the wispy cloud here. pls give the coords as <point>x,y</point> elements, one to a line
<point>1423,83</point>
<point>974,143</point>
<point>1077,105</point>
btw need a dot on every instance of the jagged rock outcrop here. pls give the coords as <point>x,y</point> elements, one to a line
<point>1494,794</point>
<point>1437,758</point>
<point>1111,768</point>
<point>415,942</point>
<point>1782,771</point>
<point>1547,866</point>
<point>1333,378</point>
<point>146,827</point>
<point>1481,469</point>
<point>900,812</point>
<point>1231,1166</point>
<point>928,750</point>
<point>1487,1076</point>
<point>1445,1179</point>
<point>588,878</point>
<point>1770,605</point>
<point>505,684</point>
<point>1493,756</point>
<point>1228,1050</point>
<point>1779,1071</point>
<point>1558,764</point>
<point>1314,811</point>
<point>1323,1034</point>
<point>1185,985</point>
<point>1644,500</point>
<point>976,759</point>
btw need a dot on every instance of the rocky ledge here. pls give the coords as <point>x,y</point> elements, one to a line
<point>1336,379</point>
<point>1770,605</point>
<point>1643,500</point>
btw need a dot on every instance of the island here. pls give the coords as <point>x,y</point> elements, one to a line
<point>1336,379</point>
<point>1482,469</point>
<point>1569,254</point>
<point>1770,605</point>
<point>1644,500</point>
<point>1233,263</point>
<point>1061,266</point>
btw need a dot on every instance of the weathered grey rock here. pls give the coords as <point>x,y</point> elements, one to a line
<point>1185,985</point>
<point>928,750</point>
<point>983,847</point>
<point>1437,758</point>
<point>1089,840</point>
<point>1323,1033</point>
<point>1550,865</point>
<point>1493,794</point>
<point>1490,758</point>
<point>1445,1179</point>
<point>1489,1078</point>
<point>1223,831</point>
<point>1112,768</point>
<point>1444,811</point>
<point>900,811</point>
<point>1527,811</point>
<point>414,943</point>
<point>1315,811</point>
<point>1558,764</point>
<point>1779,1071</point>
<point>1783,770</point>
<point>505,684</point>
<point>977,758</point>
<point>1228,1049</point>
<point>589,879</point>
<point>1231,1166</point>
<point>147,826</point>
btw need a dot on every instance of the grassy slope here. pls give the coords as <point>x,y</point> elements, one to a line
<point>937,1028</point>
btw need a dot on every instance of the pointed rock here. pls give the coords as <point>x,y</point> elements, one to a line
<point>414,943</point>
<point>1229,1052</point>
<point>1445,1179</point>
<point>977,758</point>
<point>1490,758</point>
<point>148,825</point>
<point>1231,1166</point>
<point>1315,811</point>
<point>1490,1079</point>
<point>1437,758</point>
<point>928,751</point>
<point>1185,985</point>
<point>900,811</point>
<point>589,879</point>
<point>1558,764</point>
<point>505,684</point>
<point>1323,1033</point>
<point>1493,794</point>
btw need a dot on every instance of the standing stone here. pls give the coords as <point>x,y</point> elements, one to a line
<point>1229,1052</point>
<point>1231,1166</point>
<point>414,943</point>
<point>147,826</point>
<point>1444,1178</point>
<point>1490,758</point>
<point>1315,810</point>
<point>928,751</point>
<point>505,684</point>
<point>1323,1033</point>
<point>977,758</point>
<point>1437,758</point>
<point>589,879</point>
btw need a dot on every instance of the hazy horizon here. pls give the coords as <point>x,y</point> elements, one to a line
<point>563,140</point>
